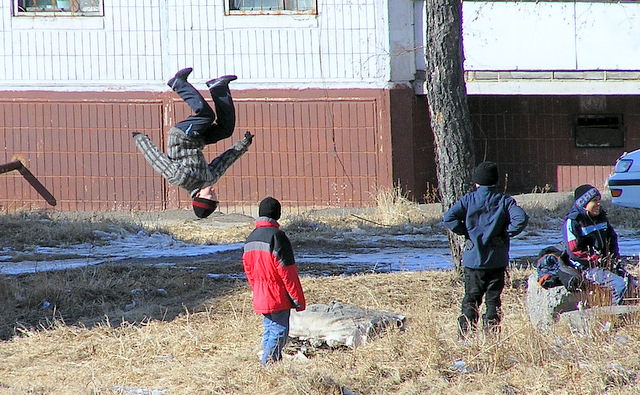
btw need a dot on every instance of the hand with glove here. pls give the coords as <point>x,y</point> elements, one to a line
<point>248,136</point>
<point>245,142</point>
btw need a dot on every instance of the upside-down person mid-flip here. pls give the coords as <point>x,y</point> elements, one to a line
<point>184,165</point>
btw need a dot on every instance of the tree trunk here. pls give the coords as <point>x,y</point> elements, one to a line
<point>448,108</point>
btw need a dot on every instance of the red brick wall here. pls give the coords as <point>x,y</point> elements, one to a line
<point>531,138</point>
<point>312,148</point>
<point>327,151</point>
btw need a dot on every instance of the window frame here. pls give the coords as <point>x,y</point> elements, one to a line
<point>599,131</point>
<point>57,13</point>
<point>263,11</point>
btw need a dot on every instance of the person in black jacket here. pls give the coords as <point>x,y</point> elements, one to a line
<point>487,219</point>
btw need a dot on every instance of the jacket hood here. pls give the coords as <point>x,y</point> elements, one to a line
<point>576,211</point>
<point>263,222</point>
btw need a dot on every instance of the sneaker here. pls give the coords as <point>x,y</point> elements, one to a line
<point>220,81</point>
<point>490,325</point>
<point>180,75</point>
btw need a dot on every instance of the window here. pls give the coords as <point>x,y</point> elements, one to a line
<point>272,7</point>
<point>58,7</point>
<point>599,131</point>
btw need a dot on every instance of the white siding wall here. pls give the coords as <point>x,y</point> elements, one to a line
<point>350,43</point>
<point>403,43</point>
<point>140,44</point>
<point>551,35</point>
<point>555,48</point>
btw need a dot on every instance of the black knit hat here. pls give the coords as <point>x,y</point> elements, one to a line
<point>270,207</point>
<point>584,193</point>
<point>486,174</point>
<point>204,207</point>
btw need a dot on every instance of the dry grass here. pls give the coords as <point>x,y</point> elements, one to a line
<point>213,349</point>
<point>621,217</point>
<point>392,213</point>
<point>201,234</point>
<point>21,230</point>
<point>545,210</point>
<point>203,337</point>
<point>394,208</point>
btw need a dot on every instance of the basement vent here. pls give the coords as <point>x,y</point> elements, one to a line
<point>599,131</point>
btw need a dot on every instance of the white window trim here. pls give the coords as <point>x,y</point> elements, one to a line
<point>56,14</point>
<point>228,11</point>
<point>264,19</point>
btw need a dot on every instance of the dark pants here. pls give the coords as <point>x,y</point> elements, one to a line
<point>201,125</point>
<point>479,283</point>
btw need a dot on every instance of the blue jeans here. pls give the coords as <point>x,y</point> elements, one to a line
<point>608,280</point>
<point>275,335</point>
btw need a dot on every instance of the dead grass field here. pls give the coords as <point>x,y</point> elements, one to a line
<point>200,336</point>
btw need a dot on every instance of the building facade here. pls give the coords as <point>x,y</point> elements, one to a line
<point>553,88</point>
<point>333,90</point>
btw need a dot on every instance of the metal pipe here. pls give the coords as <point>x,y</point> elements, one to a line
<point>15,165</point>
<point>31,179</point>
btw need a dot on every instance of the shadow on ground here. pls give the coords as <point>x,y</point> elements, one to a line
<point>108,293</point>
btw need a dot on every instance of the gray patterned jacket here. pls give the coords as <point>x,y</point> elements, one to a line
<point>184,164</point>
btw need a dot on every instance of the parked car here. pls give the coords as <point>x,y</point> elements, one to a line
<point>624,183</point>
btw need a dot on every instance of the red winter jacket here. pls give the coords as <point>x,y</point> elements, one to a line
<point>271,269</point>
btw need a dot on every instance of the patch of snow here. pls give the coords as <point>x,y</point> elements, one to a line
<point>385,259</point>
<point>227,276</point>
<point>129,246</point>
<point>43,266</point>
<point>432,252</point>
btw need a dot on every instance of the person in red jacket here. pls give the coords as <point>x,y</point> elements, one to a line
<point>273,276</point>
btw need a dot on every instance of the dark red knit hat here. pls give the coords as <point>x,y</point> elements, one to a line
<point>204,207</point>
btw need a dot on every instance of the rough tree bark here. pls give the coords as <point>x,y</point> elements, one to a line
<point>447,98</point>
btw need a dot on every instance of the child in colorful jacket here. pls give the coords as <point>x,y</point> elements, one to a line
<point>184,165</point>
<point>592,243</point>
<point>273,276</point>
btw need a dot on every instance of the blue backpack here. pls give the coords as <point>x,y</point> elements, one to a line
<point>554,270</point>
